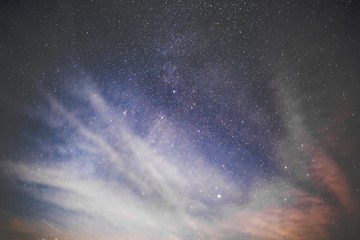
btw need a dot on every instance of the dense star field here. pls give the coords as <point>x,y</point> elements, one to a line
<point>179,120</point>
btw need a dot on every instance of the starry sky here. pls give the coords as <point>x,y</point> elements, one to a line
<point>179,120</point>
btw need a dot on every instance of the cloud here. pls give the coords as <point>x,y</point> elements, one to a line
<point>116,182</point>
<point>103,180</point>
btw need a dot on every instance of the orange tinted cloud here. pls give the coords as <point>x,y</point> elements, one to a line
<point>331,178</point>
<point>19,225</point>
<point>308,216</point>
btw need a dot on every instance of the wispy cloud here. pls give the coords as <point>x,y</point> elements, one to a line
<point>104,181</point>
<point>117,182</point>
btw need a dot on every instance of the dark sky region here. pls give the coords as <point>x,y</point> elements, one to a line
<point>179,120</point>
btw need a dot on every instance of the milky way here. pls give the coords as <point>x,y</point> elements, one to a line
<point>179,120</point>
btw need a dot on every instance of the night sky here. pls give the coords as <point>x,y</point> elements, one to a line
<point>179,120</point>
